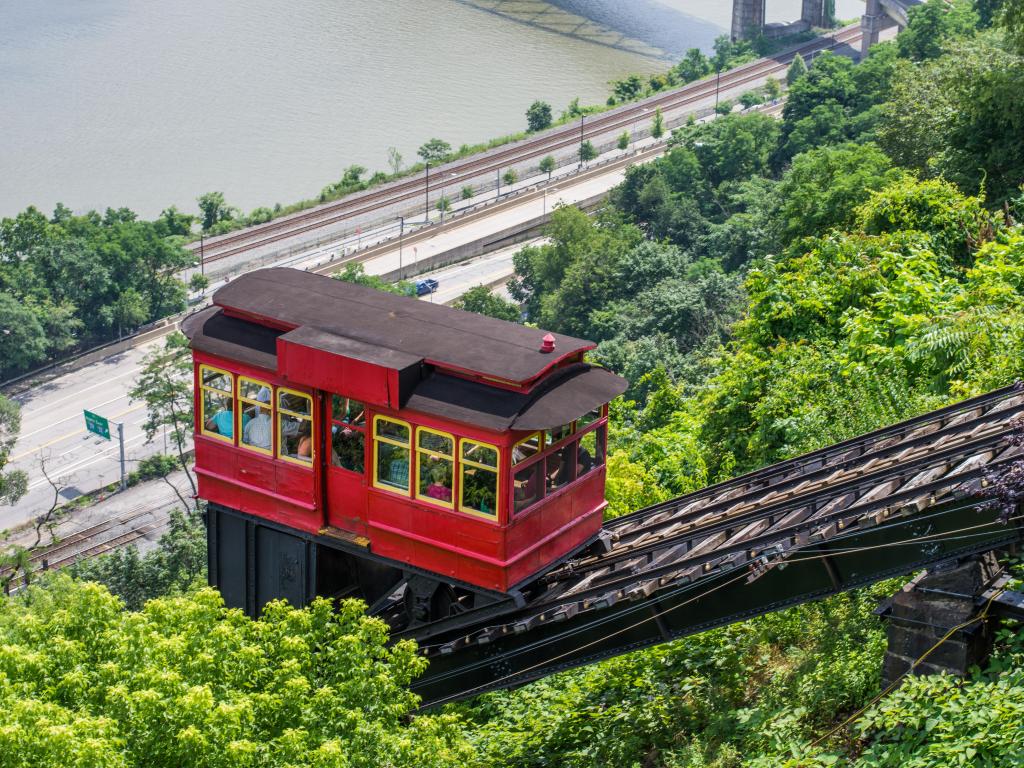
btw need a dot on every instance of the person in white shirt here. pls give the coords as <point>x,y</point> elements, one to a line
<point>259,431</point>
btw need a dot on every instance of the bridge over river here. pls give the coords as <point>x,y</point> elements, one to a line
<point>748,18</point>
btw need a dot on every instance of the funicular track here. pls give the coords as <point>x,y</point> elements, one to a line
<point>876,506</point>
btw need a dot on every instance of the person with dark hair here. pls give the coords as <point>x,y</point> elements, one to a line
<point>304,449</point>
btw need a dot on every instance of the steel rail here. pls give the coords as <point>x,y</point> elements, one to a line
<point>856,486</point>
<point>816,475</point>
<point>768,476</point>
<point>520,151</point>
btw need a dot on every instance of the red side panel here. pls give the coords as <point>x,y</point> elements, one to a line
<point>324,370</point>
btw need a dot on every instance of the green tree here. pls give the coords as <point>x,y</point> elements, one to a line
<point>165,386</point>
<point>13,483</point>
<point>694,66</point>
<point>174,222</point>
<point>395,161</point>
<point>587,152</point>
<point>627,89</point>
<point>198,283</point>
<point>797,69</point>
<point>932,24</point>
<point>724,107</point>
<point>434,151</point>
<point>823,188</point>
<point>538,116</point>
<point>356,273</point>
<point>468,192</point>
<point>320,687</point>
<point>772,89</point>
<point>658,124</point>
<point>510,177</point>
<point>23,342</point>
<point>443,205</point>
<point>547,165</point>
<point>213,210</point>
<point>1011,19</point>
<point>482,300</point>
<point>750,99</point>
<point>623,142</point>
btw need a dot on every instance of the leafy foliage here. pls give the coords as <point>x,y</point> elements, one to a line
<point>482,300</point>
<point>185,682</point>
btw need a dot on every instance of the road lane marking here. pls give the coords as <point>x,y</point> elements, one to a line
<point>69,418</point>
<point>70,435</point>
<point>85,462</point>
<point>77,393</point>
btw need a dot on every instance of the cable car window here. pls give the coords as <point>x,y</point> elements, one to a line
<point>295,426</point>
<point>561,467</point>
<point>587,419</point>
<point>348,411</point>
<point>391,454</point>
<point>588,454</point>
<point>216,403</point>
<point>528,487</point>
<point>602,445</point>
<point>478,491</point>
<point>527,447</point>
<point>558,433</point>
<point>435,466</point>
<point>348,434</point>
<point>255,403</point>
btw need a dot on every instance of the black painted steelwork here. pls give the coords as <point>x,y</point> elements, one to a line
<point>876,506</point>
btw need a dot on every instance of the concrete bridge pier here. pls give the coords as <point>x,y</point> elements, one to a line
<point>812,13</point>
<point>747,18</point>
<point>872,22</point>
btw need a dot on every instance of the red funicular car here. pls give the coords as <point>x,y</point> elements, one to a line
<point>356,443</point>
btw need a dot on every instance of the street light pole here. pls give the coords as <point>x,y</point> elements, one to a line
<point>401,232</point>
<point>426,197</point>
<point>202,258</point>
<point>580,167</point>
<point>120,437</point>
<point>718,80</point>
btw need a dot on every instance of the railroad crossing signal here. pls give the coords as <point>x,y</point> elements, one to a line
<point>97,424</point>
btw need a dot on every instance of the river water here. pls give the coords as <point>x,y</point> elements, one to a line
<point>147,104</point>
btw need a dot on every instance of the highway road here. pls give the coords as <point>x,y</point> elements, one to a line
<point>413,196</point>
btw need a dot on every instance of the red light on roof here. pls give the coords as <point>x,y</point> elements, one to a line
<point>547,343</point>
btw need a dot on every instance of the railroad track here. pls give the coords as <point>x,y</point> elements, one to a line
<point>403,191</point>
<point>104,537</point>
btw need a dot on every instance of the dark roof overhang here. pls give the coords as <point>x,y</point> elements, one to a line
<point>211,331</point>
<point>566,395</point>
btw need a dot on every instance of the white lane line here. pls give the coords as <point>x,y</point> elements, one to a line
<point>77,393</point>
<point>69,418</point>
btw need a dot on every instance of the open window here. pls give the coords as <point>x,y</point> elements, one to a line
<point>255,415</point>
<point>295,426</point>
<point>392,439</point>
<point>435,466</point>
<point>216,403</point>
<point>348,433</point>
<point>478,489</point>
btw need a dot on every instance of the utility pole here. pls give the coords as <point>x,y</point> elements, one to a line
<point>401,232</point>
<point>580,166</point>
<point>426,197</point>
<point>120,437</point>
<point>202,258</point>
<point>718,81</point>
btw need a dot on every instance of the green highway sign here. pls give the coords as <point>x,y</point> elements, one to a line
<point>97,424</point>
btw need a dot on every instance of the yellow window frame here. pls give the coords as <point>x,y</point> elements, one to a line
<point>203,388</point>
<point>278,411</point>
<point>496,470</point>
<point>540,446</point>
<point>248,401</point>
<point>436,454</point>
<point>377,440</point>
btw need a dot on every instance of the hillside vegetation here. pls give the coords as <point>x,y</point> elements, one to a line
<point>769,287</point>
